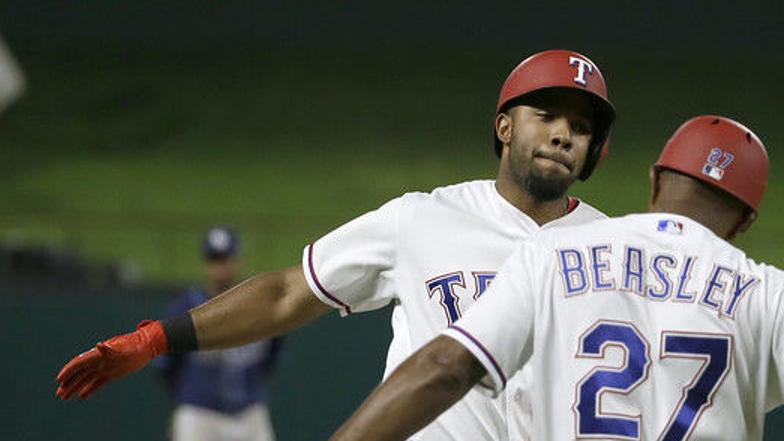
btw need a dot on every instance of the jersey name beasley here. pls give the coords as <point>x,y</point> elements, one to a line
<point>430,255</point>
<point>645,327</point>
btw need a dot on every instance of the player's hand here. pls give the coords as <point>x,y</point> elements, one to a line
<point>110,360</point>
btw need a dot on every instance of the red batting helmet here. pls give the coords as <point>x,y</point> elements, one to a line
<point>719,152</point>
<point>562,69</point>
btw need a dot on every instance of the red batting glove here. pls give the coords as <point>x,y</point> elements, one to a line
<point>110,360</point>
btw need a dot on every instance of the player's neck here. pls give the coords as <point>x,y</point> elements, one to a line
<point>541,212</point>
<point>678,194</point>
<point>722,226</point>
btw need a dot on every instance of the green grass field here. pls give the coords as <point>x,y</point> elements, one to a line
<point>129,158</point>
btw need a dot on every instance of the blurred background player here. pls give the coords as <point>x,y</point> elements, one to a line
<point>643,327</point>
<point>220,395</point>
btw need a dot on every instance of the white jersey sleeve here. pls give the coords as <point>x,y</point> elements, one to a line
<point>775,309</point>
<point>498,330</point>
<point>350,267</point>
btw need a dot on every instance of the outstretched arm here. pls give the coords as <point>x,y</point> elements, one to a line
<point>264,306</point>
<point>423,387</point>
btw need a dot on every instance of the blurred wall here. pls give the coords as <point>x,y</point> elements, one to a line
<point>326,370</point>
<point>653,28</point>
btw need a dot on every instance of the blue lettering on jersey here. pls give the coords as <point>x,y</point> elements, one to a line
<point>600,267</point>
<point>662,277</point>
<point>714,285</point>
<point>572,265</point>
<point>740,286</point>
<point>634,270</point>
<point>444,285</point>
<point>482,280</point>
<point>681,295</point>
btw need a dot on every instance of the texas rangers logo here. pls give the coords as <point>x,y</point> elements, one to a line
<point>717,161</point>
<point>582,66</point>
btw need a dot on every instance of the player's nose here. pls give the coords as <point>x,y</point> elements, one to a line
<point>561,133</point>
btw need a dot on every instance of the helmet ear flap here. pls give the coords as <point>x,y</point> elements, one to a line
<point>600,145</point>
<point>596,154</point>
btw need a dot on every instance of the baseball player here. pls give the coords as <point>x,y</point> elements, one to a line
<point>222,394</point>
<point>430,255</point>
<point>644,327</point>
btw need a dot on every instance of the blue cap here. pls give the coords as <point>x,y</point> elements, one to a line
<point>220,242</point>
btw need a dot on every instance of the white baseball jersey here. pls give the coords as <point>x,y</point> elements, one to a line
<point>643,327</point>
<point>431,256</point>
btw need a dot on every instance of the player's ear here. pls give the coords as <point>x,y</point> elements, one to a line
<point>654,176</point>
<point>503,127</point>
<point>744,225</point>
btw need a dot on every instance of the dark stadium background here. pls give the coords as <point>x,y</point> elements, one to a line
<point>145,121</point>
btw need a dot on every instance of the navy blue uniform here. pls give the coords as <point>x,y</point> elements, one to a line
<point>227,380</point>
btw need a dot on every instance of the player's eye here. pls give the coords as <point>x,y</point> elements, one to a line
<point>545,116</point>
<point>582,128</point>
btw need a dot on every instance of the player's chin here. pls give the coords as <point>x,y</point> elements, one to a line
<point>549,186</point>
